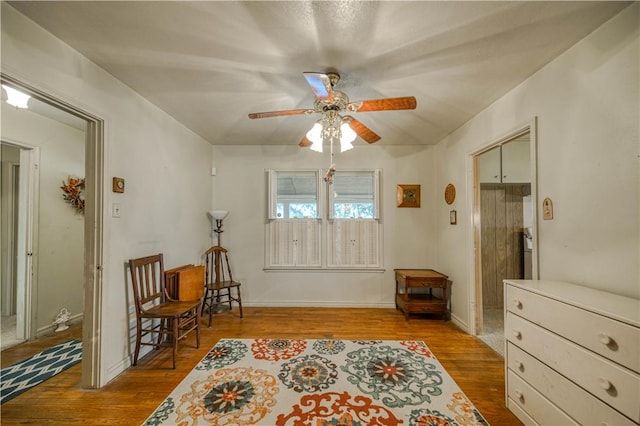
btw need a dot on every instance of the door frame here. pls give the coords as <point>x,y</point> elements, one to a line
<point>27,240</point>
<point>93,228</point>
<point>473,200</point>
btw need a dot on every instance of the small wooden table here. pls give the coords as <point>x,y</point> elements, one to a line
<point>411,294</point>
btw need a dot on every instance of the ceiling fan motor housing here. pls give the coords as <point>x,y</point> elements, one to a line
<point>338,103</point>
<point>334,78</point>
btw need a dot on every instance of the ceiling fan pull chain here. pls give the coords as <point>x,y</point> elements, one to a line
<point>332,131</point>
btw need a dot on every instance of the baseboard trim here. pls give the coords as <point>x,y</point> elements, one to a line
<point>316,304</point>
<point>459,323</point>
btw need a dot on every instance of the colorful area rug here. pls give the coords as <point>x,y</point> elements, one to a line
<point>24,375</point>
<point>317,382</point>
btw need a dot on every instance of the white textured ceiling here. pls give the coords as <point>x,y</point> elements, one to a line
<point>210,63</point>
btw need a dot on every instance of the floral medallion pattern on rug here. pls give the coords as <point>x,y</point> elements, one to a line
<point>317,382</point>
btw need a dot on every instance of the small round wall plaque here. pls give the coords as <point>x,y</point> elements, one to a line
<point>450,193</point>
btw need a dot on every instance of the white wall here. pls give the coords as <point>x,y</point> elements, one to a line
<point>409,233</point>
<point>58,261</point>
<point>166,167</point>
<point>586,102</point>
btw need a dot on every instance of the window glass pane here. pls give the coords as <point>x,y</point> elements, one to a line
<point>297,195</point>
<point>302,210</point>
<point>353,210</point>
<point>353,195</point>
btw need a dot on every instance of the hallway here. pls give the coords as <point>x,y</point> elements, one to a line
<point>8,337</point>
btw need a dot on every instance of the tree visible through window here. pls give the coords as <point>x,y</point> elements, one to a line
<point>296,210</point>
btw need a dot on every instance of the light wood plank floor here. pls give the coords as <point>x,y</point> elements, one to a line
<point>134,395</point>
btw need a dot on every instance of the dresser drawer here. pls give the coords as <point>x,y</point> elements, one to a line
<point>615,385</point>
<point>535,404</point>
<point>520,413</point>
<point>583,407</point>
<point>612,339</point>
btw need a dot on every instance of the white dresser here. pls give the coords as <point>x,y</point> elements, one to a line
<point>572,354</point>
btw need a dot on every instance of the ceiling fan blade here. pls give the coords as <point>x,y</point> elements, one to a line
<point>305,142</point>
<point>280,113</point>
<point>363,131</point>
<point>388,104</point>
<point>320,84</point>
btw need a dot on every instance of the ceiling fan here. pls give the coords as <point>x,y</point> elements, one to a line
<point>332,103</point>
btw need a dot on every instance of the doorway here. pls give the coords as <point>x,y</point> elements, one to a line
<point>90,261</point>
<point>10,178</point>
<point>504,207</point>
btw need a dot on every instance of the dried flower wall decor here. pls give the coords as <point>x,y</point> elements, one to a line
<point>73,192</point>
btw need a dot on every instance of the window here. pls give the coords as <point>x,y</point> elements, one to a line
<point>353,231</point>
<point>353,195</point>
<point>293,231</point>
<point>298,225</point>
<point>293,194</point>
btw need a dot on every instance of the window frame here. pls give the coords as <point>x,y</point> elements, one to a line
<point>278,246</point>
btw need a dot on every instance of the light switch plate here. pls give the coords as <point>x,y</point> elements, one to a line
<point>116,210</point>
<point>547,209</point>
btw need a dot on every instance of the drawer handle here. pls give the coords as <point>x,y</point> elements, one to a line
<point>517,303</point>
<point>519,395</point>
<point>519,365</point>
<point>517,334</point>
<point>604,383</point>
<point>605,339</point>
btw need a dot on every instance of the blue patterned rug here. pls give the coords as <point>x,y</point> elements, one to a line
<point>24,375</point>
<point>317,382</point>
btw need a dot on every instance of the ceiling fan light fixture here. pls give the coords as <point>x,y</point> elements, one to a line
<point>331,104</point>
<point>316,146</point>
<point>347,136</point>
<point>315,136</point>
<point>16,98</point>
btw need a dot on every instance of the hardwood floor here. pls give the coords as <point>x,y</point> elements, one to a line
<point>131,397</point>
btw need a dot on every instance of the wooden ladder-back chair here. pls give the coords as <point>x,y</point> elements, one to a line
<point>156,313</point>
<point>219,282</point>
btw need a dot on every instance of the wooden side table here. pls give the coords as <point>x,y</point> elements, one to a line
<point>412,295</point>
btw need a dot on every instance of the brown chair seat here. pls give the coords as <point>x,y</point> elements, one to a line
<point>169,309</point>
<point>222,285</point>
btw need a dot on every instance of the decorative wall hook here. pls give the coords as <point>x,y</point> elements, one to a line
<point>73,192</point>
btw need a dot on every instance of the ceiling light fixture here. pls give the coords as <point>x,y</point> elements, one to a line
<point>347,136</point>
<point>331,128</point>
<point>16,98</point>
<point>315,136</point>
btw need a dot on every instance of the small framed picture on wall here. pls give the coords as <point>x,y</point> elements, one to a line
<point>408,196</point>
